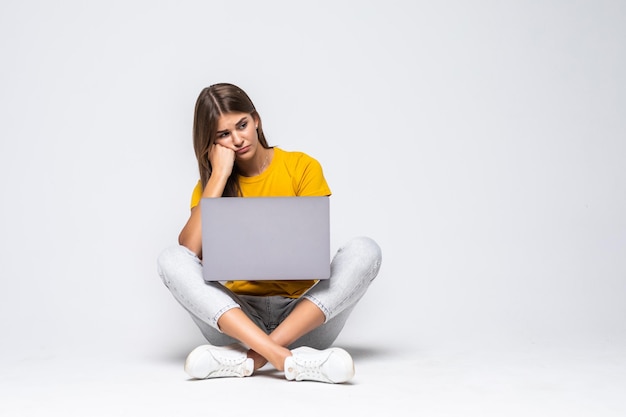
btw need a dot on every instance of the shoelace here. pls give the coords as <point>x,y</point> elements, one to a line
<point>229,366</point>
<point>310,368</point>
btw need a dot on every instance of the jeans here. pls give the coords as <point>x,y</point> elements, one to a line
<point>353,268</point>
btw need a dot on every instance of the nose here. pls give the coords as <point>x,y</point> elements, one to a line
<point>237,139</point>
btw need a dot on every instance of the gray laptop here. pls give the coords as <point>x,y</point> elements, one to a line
<point>265,238</point>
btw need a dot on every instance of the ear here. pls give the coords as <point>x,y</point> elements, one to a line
<point>257,120</point>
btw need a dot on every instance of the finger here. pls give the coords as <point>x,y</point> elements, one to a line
<point>228,150</point>
<point>225,147</point>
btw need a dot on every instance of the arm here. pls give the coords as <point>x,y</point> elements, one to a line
<point>222,161</point>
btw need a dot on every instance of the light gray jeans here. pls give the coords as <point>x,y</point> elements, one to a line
<point>352,269</point>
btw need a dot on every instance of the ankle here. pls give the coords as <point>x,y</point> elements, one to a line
<point>277,359</point>
<point>258,359</point>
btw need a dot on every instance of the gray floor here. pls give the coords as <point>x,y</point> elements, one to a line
<point>473,381</point>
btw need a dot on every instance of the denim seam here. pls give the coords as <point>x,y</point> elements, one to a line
<point>350,296</point>
<point>219,314</point>
<point>319,305</point>
<point>370,274</point>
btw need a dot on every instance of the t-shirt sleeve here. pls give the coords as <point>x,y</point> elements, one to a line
<point>310,181</point>
<point>196,195</point>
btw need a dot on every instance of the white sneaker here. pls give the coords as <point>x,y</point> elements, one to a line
<point>207,361</point>
<point>332,365</point>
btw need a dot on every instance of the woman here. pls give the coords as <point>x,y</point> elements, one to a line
<point>290,324</point>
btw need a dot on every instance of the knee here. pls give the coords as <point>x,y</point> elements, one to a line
<point>170,259</point>
<point>369,252</point>
<point>366,246</point>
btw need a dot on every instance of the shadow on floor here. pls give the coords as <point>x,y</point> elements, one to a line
<point>359,352</point>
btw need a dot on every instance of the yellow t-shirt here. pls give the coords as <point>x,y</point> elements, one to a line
<point>289,174</point>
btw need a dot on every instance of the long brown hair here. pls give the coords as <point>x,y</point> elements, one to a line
<point>213,102</point>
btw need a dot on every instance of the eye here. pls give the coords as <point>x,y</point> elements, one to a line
<point>222,135</point>
<point>243,125</point>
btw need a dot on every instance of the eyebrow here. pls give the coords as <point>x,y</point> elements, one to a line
<point>244,118</point>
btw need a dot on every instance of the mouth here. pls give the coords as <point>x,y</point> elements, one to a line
<point>243,150</point>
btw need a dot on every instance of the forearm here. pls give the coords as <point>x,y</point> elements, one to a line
<point>191,235</point>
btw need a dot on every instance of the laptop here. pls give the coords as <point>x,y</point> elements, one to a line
<point>265,238</point>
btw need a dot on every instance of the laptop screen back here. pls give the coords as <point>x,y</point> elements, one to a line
<point>265,238</point>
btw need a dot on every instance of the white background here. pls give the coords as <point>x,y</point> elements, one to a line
<point>482,144</point>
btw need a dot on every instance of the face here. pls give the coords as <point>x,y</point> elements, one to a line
<point>238,131</point>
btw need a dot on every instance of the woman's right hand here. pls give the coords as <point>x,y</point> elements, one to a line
<point>222,160</point>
